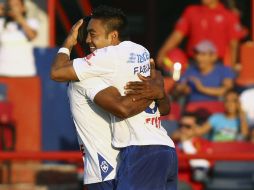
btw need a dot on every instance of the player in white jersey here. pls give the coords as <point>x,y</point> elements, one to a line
<point>94,134</point>
<point>148,155</point>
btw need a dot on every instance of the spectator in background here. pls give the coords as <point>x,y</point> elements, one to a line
<point>230,125</point>
<point>209,21</point>
<point>190,143</point>
<point>205,80</point>
<point>34,11</point>
<point>16,33</point>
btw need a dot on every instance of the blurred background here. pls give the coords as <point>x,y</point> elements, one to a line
<point>211,92</point>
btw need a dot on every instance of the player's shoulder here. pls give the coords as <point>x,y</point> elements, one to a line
<point>129,47</point>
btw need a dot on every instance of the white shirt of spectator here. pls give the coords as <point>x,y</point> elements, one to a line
<point>16,52</point>
<point>116,65</point>
<point>93,131</point>
<point>247,102</point>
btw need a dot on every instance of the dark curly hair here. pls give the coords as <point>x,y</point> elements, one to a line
<point>114,20</point>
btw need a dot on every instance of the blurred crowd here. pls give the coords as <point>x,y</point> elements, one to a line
<point>22,27</point>
<point>210,65</point>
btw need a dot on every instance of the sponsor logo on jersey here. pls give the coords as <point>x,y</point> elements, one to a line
<point>143,69</point>
<point>105,167</point>
<point>155,121</point>
<point>138,58</point>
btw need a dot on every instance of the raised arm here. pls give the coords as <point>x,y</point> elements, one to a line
<point>171,42</point>
<point>62,68</point>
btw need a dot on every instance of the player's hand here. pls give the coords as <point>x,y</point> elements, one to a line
<point>151,88</point>
<point>71,40</point>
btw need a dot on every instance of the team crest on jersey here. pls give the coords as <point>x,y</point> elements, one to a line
<point>105,167</point>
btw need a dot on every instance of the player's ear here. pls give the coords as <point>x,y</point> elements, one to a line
<point>114,36</point>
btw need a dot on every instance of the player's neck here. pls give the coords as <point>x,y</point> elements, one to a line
<point>116,42</point>
<point>213,5</point>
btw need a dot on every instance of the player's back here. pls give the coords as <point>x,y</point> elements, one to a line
<point>94,132</point>
<point>144,128</point>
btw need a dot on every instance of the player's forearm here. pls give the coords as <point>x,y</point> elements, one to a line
<point>61,60</point>
<point>123,107</point>
<point>164,105</point>
<point>130,108</point>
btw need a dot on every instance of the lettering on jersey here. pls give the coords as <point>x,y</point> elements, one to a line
<point>132,58</point>
<point>156,121</point>
<point>138,58</point>
<point>153,120</point>
<point>142,69</point>
<point>143,57</point>
<point>105,167</point>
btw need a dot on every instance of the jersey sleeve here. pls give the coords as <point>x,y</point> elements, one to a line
<point>97,64</point>
<point>97,85</point>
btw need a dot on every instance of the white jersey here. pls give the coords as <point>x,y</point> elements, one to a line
<point>94,131</point>
<point>117,65</point>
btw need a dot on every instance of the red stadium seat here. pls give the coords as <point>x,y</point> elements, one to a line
<point>246,77</point>
<point>175,112</point>
<point>210,106</point>
<point>5,112</point>
<point>168,84</point>
<point>7,128</point>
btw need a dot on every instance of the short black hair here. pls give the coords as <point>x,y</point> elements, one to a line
<point>114,19</point>
<point>231,91</point>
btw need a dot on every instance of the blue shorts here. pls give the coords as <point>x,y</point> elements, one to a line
<point>152,167</point>
<point>105,185</point>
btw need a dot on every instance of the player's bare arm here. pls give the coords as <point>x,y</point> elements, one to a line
<point>151,88</point>
<point>62,69</point>
<point>123,107</point>
<point>139,95</point>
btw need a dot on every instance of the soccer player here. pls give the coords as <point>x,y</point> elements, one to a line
<point>94,131</point>
<point>148,157</point>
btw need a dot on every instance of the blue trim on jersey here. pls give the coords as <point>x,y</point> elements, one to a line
<point>152,110</point>
<point>105,167</point>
